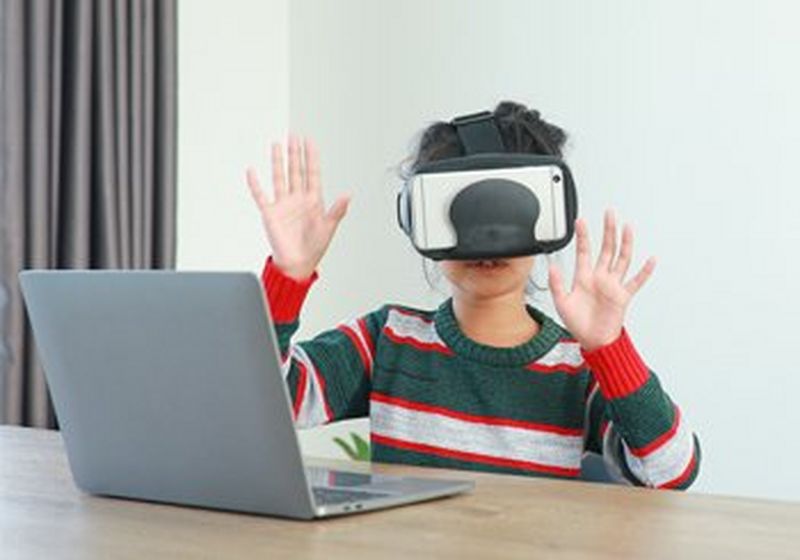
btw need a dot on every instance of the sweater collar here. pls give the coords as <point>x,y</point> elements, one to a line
<point>448,329</point>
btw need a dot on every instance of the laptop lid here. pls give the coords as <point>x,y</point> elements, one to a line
<point>167,387</point>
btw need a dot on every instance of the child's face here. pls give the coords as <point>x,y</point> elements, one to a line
<point>488,278</point>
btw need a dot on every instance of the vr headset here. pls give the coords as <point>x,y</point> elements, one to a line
<point>489,203</point>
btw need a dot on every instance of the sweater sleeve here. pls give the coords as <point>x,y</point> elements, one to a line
<point>329,376</point>
<point>633,423</point>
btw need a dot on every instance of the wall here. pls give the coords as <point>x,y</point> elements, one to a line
<point>233,102</point>
<point>683,117</point>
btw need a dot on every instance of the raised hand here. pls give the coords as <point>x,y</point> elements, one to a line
<point>594,310</point>
<point>298,227</point>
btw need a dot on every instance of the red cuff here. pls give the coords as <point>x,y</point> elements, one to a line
<point>284,293</point>
<point>618,368</point>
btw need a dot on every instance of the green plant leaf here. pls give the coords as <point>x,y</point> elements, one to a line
<point>350,451</point>
<point>358,450</point>
<point>362,447</point>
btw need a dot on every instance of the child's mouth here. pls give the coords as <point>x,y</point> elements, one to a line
<point>490,264</point>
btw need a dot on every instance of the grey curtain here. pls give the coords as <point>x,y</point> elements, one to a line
<point>88,140</point>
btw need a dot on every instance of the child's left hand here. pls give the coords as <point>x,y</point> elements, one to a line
<point>594,310</point>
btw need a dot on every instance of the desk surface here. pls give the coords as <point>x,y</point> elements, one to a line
<point>43,515</point>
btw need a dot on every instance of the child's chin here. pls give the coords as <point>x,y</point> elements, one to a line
<point>488,287</point>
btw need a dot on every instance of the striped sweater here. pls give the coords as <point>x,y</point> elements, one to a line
<point>437,398</point>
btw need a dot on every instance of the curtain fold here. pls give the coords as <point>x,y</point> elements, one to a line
<point>88,142</point>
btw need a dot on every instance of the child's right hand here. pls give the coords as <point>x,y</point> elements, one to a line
<point>298,228</point>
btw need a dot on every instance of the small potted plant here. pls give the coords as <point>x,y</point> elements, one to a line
<point>357,449</point>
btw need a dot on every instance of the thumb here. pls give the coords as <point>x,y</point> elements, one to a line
<point>338,209</point>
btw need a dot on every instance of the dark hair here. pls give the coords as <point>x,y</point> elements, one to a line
<point>521,129</point>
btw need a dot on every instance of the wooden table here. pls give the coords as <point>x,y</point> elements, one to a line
<point>43,515</point>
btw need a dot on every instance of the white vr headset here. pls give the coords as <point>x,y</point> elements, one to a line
<point>488,203</point>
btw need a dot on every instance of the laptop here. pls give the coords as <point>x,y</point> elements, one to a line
<point>168,388</point>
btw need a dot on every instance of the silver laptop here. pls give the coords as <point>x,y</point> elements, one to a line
<point>167,387</point>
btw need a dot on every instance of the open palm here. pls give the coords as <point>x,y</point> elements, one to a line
<point>298,227</point>
<point>594,310</point>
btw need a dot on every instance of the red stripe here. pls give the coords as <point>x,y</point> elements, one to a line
<point>660,440</point>
<point>618,367</point>
<point>568,340</point>
<point>684,476</point>
<point>556,368</point>
<point>301,389</point>
<point>475,419</point>
<point>285,295</point>
<point>359,347</point>
<point>365,333</point>
<point>473,457</point>
<point>418,344</point>
<point>603,428</point>
<point>408,313</point>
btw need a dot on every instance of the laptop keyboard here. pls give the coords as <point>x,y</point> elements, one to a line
<point>333,496</point>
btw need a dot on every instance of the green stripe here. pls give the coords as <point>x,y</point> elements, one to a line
<point>293,382</point>
<point>375,322</point>
<point>459,383</point>
<point>454,383</point>
<point>548,335</point>
<point>597,414</point>
<point>644,415</point>
<point>285,331</point>
<point>339,364</point>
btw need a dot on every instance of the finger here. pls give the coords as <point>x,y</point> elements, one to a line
<point>338,209</point>
<point>609,242</point>
<point>620,268</point>
<point>583,251</point>
<point>295,173</point>
<point>556,284</point>
<point>312,167</point>
<point>255,190</point>
<point>635,283</point>
<point>278,177</point>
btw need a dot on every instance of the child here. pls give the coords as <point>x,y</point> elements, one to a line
<point>484,382</point>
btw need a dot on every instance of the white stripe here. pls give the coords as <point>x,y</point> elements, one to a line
<point>362,342</point>
<point>416,328</point>
<point>665,463</point>
<point>504,442</point>
<point>611,441</point>
<point>286,365</point>
<point>366,337</point>
<point>588,411</point>
<point>563,353</point>
<point>312,407</point>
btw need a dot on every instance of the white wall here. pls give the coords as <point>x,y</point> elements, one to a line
<point>233,100</point>
<point>684,116</point>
